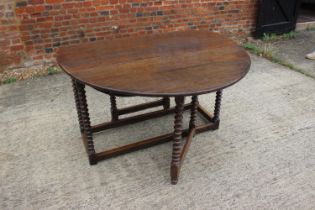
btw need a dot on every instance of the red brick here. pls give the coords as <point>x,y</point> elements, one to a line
<point>16,47</point>
<point>40,24</point>
<point>36,1</point>
<point>54,1</point>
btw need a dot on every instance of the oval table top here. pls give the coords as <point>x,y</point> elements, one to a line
<point>169,64</point>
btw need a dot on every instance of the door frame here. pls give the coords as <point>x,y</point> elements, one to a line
<point>260,29</point>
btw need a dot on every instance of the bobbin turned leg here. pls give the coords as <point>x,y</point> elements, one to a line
<point>193,113</point>
<point>113,107</point>
<point>175,164</point>
<point>166,103</point>
<point>87,135</point>
<point>216,117</point>
<point>77,104</point>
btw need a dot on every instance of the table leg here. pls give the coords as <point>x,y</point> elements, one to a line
<point>179,149</point>
<point>166,103</point>
<point>88,135</point>
<point>193,113</point>
<point>77,104</point>
<point>175,164</point>
<point>113,108</point>
<point>216,117</point>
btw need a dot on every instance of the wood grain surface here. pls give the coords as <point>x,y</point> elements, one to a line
<point>171,64</point>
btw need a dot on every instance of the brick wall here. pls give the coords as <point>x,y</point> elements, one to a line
<point>32,30</point>
<point>11,46</point>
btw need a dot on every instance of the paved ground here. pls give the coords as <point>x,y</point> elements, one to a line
<point>294,51</point>
<point>262,157</point>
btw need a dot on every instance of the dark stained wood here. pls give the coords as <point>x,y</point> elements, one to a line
<point>217,106</point>
<point>152,142</point>
<point>169,64</point>
<point>77,104</point>
<point>167,103</point>
<point>86,122</point>
<point>141,107</point>
<point>207,127</point>
<point>178,129</point>
<point>178,153</point>
<point>135,119</point>
<point>113,107</point>
<point>193,113</point>
<point>187,144</point>
<point>134,146</point>
<point>205,113</point>
<point>176,65</point>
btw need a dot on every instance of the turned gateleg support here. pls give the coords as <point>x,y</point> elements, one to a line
<point>77,105</point>
<point>193,112</point>
<point>84,120</point>
<point>179,149</point>
<point>115,112</point>
<point>113,107</point>
<point>216,114</point>
<point>166,103</point>
<point>175,164</point>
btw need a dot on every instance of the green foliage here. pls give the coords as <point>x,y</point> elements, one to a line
<point>252,48</point>
<point>52,70</point>
<point>274,37</point>
<point>9,80</point>
<point>269,37</point>
<point>290,35</point>
<point>310,28</point>
<point>266,52</point>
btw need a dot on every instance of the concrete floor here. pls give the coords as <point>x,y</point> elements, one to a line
<point>262,157</point>
<point>294,50</point>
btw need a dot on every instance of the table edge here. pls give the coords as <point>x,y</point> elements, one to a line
<point>135,93</point>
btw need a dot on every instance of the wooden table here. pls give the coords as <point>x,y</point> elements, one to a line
<point>177,64</point>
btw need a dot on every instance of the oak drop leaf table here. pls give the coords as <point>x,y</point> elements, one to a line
<point>176,64</point>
